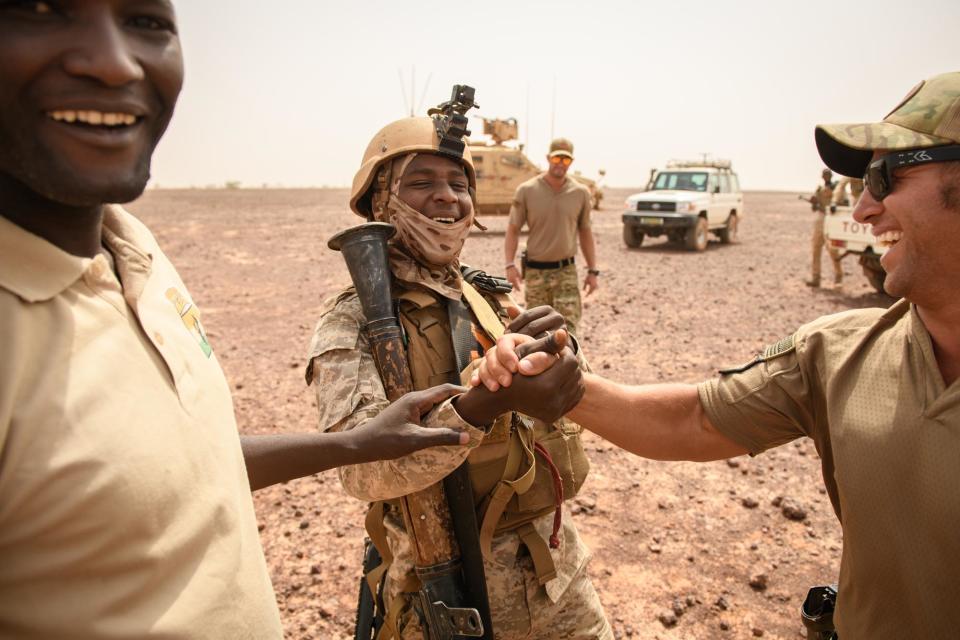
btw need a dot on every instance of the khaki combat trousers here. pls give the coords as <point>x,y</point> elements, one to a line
<point>558,288</point>
<point>523,611</point>
<point>818,243</point>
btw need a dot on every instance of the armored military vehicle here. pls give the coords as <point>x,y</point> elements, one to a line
<point>502,167</point>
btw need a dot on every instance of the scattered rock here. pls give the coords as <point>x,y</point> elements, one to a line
<point>757,632</point>
<point>584,504</point>
<point>749,503</point>
<point>722,604</point>
<point>724,626</point>
<point>758,581</point>
<point>793,511</point>
<point>733,462</point>
<point>304,524</point>
<point>678,607</point>
<point>667,618</point>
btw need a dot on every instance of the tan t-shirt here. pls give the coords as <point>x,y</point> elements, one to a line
<point>865,386</point>
<point>553,217</point>
<point>125,508</point>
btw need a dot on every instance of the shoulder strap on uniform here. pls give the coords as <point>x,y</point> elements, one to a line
<point>486,316</point>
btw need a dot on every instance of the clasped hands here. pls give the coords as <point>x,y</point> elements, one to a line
<point>538,347</point>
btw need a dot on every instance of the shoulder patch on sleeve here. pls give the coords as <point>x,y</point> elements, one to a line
<point>775,350</point>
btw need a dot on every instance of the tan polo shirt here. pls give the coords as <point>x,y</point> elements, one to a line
<point>554,218</point>
<point>865,386</point>
<point>125,509</point>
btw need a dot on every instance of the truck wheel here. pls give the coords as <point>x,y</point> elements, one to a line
<point>728,235</point>
<point>696,239</point>
<point>632,237</point>
<point>873,270</point>
<point>876,278</point>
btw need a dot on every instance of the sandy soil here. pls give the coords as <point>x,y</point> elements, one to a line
<point>681,550</point>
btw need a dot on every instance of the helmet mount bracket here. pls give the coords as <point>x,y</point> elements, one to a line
<point>450,121</point>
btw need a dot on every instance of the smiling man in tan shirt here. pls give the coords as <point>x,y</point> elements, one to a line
<point>125,507</point>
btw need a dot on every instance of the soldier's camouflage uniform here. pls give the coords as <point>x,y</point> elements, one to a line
<point>821,203</point>
<point>557,288</point>
<point>350,392</point>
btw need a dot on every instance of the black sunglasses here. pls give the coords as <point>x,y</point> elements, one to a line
<point>879,176</point>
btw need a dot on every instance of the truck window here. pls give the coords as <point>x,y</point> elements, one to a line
<point>724,183</point>
<point>680,181</point>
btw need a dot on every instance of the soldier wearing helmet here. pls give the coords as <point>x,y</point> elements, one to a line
<point>534,559</point>
<point>820,202</point>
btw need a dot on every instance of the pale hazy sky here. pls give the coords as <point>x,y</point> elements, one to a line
<point>290,92</point>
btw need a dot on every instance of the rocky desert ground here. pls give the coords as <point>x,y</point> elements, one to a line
<point>680,550</point>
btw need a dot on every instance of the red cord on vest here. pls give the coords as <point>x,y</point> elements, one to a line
<point>558,490</point>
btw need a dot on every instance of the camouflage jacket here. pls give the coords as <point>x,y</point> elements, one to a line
<point>349,392</point>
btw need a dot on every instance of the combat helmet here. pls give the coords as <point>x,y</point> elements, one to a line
<point>441,132</point>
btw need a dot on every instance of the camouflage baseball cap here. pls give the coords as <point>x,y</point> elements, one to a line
<point>561,147</point>
<point>928,117</point>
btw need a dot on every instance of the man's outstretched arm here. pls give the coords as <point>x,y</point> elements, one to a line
<point>395,432</point>
<point>658,421</point>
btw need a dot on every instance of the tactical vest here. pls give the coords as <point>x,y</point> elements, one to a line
<point>524,468</point>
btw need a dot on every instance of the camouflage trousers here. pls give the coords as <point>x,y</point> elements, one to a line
<point>523,611</point>
<point>819,240</point>
<point>558,288</point>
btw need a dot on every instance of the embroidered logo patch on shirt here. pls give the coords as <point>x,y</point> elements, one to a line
<point>190,315</point>
<point>779,348</point>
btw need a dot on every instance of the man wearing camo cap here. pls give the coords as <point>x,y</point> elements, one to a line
<point>878,390</point>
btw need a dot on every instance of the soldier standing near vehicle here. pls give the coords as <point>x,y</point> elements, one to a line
<point>521,469</point>
<point>877,390</point>
<point>840,195</point>
<point>556,209</point>
<point>819,203</point>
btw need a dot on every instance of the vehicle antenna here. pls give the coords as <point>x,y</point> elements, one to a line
<point>526,120</point>
<point>423,96</point>
<point>553,108</point>
<point>407,104</point>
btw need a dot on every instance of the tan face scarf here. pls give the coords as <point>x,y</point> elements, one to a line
<point>433,243</point>
<point>424,251</point>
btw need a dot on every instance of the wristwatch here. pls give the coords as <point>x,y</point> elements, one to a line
<point>593,272</point>
<point>510,265</point>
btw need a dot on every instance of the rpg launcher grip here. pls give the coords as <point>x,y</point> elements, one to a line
<point>442,602</point>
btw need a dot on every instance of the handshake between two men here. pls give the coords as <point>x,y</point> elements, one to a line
<point>533,369</point>
<point>537,345</point>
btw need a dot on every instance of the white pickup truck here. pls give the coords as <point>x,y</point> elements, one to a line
<point>847,236</point>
